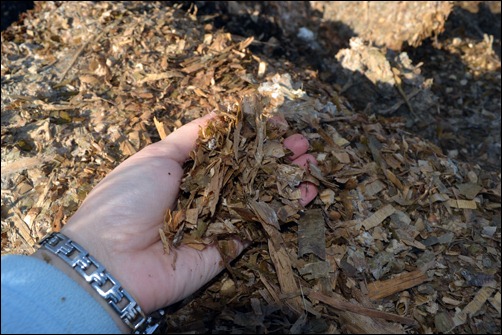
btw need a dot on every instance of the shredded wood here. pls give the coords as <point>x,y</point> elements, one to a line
<point>404,236</point>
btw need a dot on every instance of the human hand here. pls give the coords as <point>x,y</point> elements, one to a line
<point>119,221</point>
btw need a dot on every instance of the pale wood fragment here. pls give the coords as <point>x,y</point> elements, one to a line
<point>384,288</point>
<point>340,304</point>
<point>377,217</point>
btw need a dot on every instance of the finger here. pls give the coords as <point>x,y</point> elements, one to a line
<point>297,144</point>
<point>308,192</point>
<point>196,268</point>
<point>179,143</point>
<point>304,160</point>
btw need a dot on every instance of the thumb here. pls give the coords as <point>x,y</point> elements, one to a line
<point>179,143</point>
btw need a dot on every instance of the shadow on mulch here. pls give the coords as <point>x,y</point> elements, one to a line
<point>464,121</point>
<point>11,11</point>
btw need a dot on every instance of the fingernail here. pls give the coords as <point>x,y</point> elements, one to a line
<point>308,193</point>
<point>298,144</point>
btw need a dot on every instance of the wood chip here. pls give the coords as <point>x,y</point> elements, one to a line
<point>474,306</point>
<point>347,306</point>
<point>311,234</point>
<point>377,218</point>
<point>384,288</point>
<point>468,204</point>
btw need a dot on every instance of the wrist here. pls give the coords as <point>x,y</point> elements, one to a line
<point>71,259</point>
<point>48,257</point>
<point>119,261</point>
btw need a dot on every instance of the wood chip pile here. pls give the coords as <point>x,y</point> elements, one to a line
<point>389,23</point>
<point>401,239</point>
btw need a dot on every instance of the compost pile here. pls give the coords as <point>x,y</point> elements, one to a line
<point>404,236</point>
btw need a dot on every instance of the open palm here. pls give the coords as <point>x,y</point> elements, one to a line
<point>119,223</point>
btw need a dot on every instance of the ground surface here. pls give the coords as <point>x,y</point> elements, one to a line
<point>408,141</point>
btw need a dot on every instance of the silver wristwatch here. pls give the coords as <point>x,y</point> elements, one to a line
<point>104,283</point>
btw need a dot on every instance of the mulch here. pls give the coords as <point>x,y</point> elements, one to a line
<point>404,236</point>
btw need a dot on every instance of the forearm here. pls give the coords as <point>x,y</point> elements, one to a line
<point>39,298</point>
<point>49,258</point>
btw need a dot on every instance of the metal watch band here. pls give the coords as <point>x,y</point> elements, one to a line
<point>102,282</point>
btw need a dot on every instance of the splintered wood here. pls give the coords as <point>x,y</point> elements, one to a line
<point>402,238</point>
<point>230,184</point>
<point>343,305</point>
<point>239,183</point>
<point>230,189</point>
<point>381,289</point>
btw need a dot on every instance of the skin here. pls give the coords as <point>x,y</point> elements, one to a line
<point>119,221</point>
<point>298,144</point>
